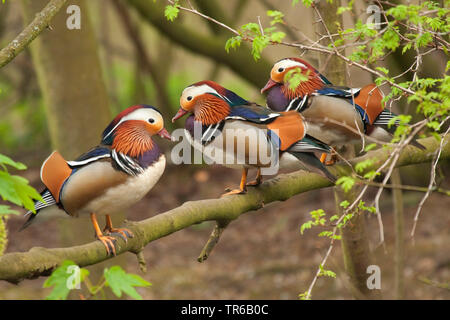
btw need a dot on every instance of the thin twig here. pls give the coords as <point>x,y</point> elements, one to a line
<point>213,240</point>
<point>436,157</point>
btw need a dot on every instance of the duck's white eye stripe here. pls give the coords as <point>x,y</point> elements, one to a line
<point>194,91</point>
<point>143,114</point>
<point>289,63</point>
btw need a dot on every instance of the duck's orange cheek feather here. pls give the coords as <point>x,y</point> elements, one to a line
<point>132,138</point>
<point>188,105</point>
<point>211,110</point>
<point>277,76</point>
<point>154,128</point>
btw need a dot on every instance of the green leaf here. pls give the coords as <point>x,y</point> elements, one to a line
<point>326,273</point>
<point>317,214</point>
<point>344,204</point>
<point>363,165</point>
<point>294,77</point>
<point>277,36</point>
<point>371,175</point>
<point>171,12</point>
<point>252,28</point>
<point>7,210</point>
<point>370,147</point>
<point>16,190</point>
<point>63,279</point>
<point>306,225</point>
<point>306,3</point>
<point>362,206</point>
<point>406,47</point>
<point>8,161</point>
<point>336,217</point>
<point>382,69</point>
<point>346,183</point>
<point>258,45</point>
<point>233,43</point>
<point>325,234</point>
<point>304,295</point>
<point>423,40</point>
<point>277,16</point>
<point>435,125</point>
<point>119,281</point>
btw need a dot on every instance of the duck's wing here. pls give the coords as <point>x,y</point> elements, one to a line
<point>54,173</point>
<point>250,112</point>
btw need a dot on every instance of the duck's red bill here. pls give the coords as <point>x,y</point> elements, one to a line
<point>268,85</point>
<point>163,133</point>
<point>179,114</point>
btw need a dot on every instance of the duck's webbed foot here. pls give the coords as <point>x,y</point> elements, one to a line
<point>124,233</point>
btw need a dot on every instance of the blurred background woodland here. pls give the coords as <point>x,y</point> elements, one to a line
<point>62,91</point>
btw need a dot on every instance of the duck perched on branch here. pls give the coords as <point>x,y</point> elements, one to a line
<point>244,133</point>
<point>337,115</point>
<point>110,177</point>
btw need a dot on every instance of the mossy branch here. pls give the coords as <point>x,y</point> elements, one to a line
<point>17,266</point>
<point>39,23</point>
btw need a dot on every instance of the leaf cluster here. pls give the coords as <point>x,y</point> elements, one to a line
<point>68,276</point>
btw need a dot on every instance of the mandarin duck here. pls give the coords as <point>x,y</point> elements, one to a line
<point>329,110</point>
<point>107,179</point>
<point>245,127</point>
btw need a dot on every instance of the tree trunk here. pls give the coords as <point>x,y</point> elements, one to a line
<point>76,101</point>
<point>397,197</point>
<point>70,78</point>
<point>355,244</point>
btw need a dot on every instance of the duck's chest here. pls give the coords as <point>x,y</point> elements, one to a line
<point>237,144</point>
<point>102,189</point>
<point>134,189</point>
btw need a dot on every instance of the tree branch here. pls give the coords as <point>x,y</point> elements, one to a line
<point>213,240</point>
<point>40,22</point>
<point>240,61</point>
<point>17,266</point>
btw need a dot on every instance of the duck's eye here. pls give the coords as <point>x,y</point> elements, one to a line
<point>189,98</point>
<point>151,120</point>
<point>280,69</point>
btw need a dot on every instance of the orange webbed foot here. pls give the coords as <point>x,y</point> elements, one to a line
<point>235,191</point>
<point>242,187</point>
<point>124,233</point>
<point>257,181</point>
<point>332,160</point>
<point>109,243</point>
<point>253,183</point>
